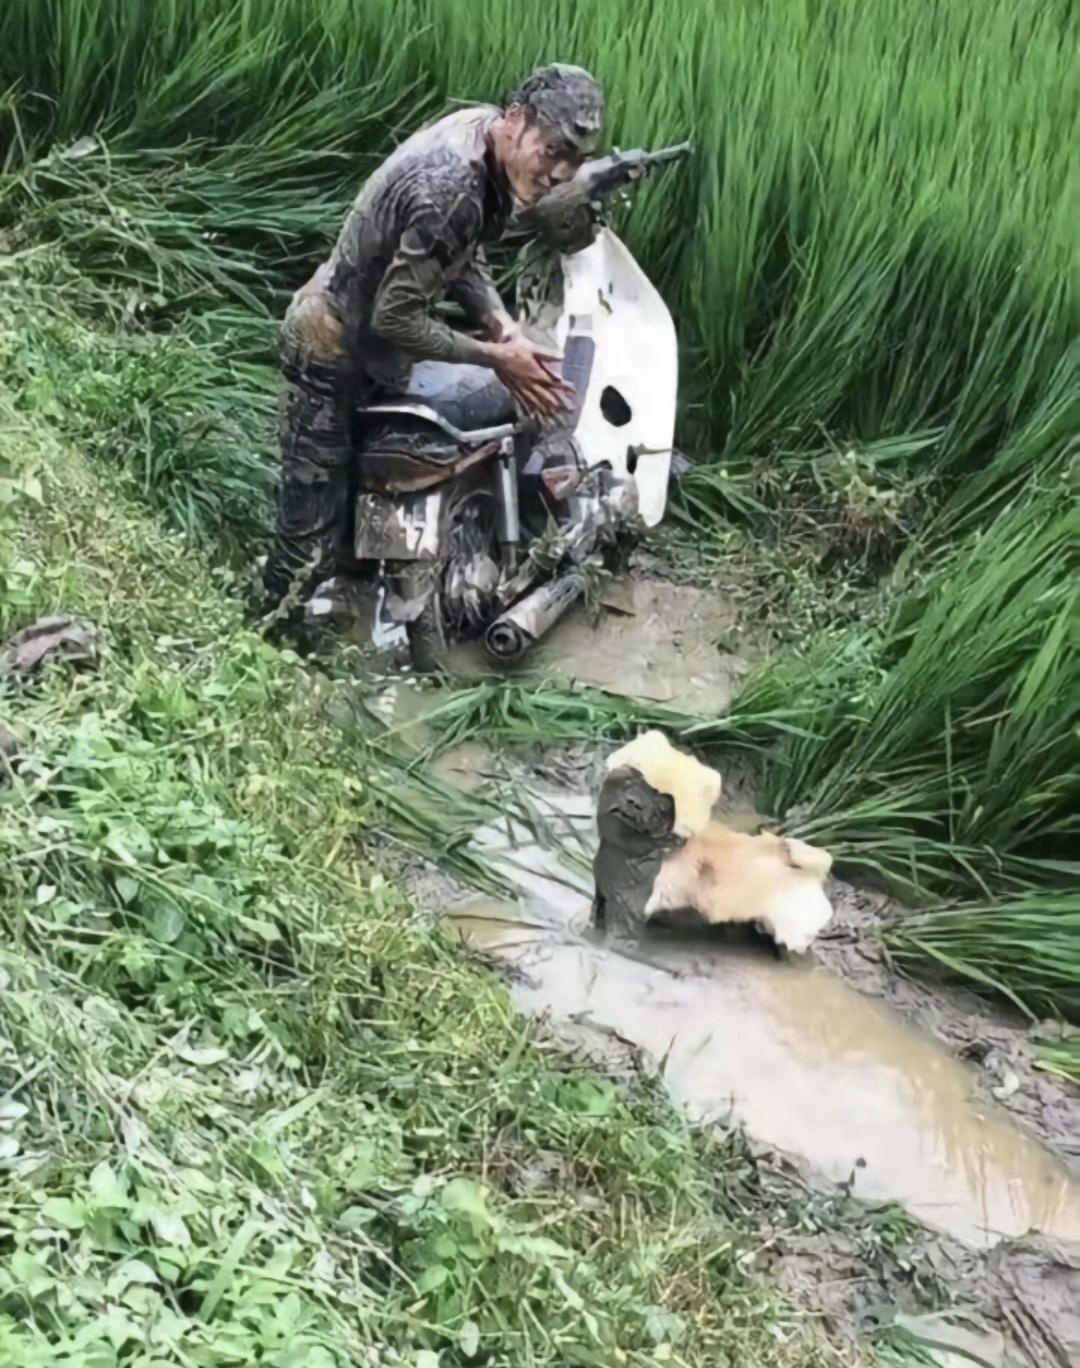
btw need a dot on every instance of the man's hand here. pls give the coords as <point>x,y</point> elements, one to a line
<point>528,373</point>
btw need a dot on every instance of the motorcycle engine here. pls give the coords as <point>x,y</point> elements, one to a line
<point>472,574</point>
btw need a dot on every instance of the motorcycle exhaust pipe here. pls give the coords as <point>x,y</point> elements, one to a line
<point>511,634</point>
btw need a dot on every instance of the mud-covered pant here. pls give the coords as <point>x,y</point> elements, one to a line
<point>317,483</point>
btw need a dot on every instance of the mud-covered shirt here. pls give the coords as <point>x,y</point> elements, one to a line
<point>412,238</point>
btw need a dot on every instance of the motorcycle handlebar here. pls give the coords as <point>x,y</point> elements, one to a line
<point>566,216</point>
<point>605,174</point>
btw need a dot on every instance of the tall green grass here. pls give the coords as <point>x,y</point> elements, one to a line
<point>954,749</point>
<point>875,238</point>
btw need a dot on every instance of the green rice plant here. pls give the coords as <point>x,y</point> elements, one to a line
<point>953,762</point>
<point>1026,949</point>
<point>1059,1055</point>
<point>875,238</point>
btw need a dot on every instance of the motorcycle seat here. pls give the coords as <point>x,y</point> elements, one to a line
<point>469,397</point>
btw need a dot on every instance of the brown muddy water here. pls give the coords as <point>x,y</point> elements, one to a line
<point>804,1061</point>
<point>645,639</point>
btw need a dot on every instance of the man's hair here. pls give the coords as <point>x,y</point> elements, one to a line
<point>566,96</point>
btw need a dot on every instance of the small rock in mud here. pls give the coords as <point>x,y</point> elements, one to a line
<point>62,637</point>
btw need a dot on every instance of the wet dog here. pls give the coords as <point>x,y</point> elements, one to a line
<point>694,787</point>
<point>661,856</point>
<point>725,876</point>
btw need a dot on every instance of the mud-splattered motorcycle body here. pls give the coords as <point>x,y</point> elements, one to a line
<point>481,526</point>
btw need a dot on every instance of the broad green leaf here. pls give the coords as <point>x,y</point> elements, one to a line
<point>432,1277</point>
<point>265,930</point>
<point>132,1271</point>
<point>287,1313</point>
<point>27,1269</point>
<point>167,923</point>
<point>467,1198</point>
<point>201,1058</point>
<point>62,1211</point>
<point>469,1338</point>
<point>355,1218</point>
<point>535,1248</point>
<point>170,1228</point>
<point>108,1190</point>
<point>127,889</point>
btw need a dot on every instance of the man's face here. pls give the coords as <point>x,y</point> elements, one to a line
<point>535,158</point>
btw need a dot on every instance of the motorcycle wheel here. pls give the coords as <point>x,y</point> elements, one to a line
<point>439,623</point>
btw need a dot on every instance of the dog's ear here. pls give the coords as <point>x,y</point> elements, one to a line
<point>799,855</point>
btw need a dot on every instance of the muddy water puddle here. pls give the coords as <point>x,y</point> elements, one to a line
<point>645,639</point>
<point>809,1065</point>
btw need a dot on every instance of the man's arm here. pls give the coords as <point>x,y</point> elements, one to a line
<point>416,281</point>
<point>474,290</point>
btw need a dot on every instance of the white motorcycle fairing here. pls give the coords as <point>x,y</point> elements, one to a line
<point>626,415</point>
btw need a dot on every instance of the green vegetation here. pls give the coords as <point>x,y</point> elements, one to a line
<point>249,1104</point>
<point>875,240</point>
<point>253,1109</point>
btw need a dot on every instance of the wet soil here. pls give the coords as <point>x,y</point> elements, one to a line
<point>849,1078</point>
<point>626,646</point>
<point>840,1094</point>
<point>663,643</point>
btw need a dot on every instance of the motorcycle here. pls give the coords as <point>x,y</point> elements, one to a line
<point>480,525</point>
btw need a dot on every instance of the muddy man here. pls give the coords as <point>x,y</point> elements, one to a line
<point>368,315</point>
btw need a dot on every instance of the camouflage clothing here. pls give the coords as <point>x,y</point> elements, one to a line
<point>568,101</point>
<point>411,239</point>
<point>354,331</point>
